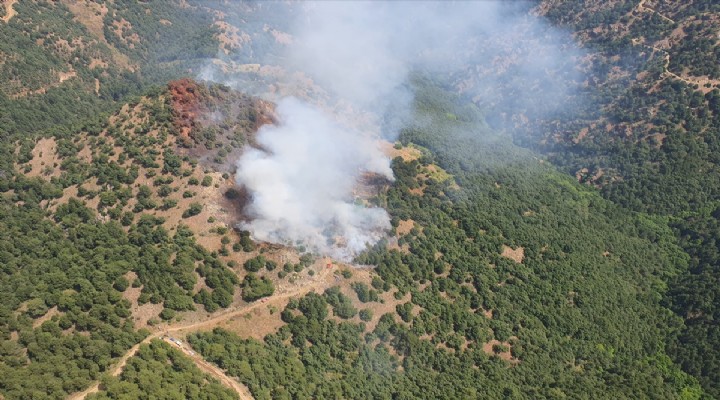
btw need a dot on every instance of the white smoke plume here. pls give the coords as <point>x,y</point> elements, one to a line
<point>361,54</point>
<point>302,180</point>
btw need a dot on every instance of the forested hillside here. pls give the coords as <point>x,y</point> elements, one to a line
<point>534,252</point>
<point>61,62</point>
<point>646,134</point>
<point>574,311</point>
<point>159,368</point>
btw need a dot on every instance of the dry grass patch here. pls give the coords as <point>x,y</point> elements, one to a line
<point>9,10</point>
<point>404,227</point>
<point>418,191</point>
<point>230,37</point>
<point>393,245</point>
<point>121,29</point>
<point>141,314</point>
<point>45,160</point>
<point>516,255</point>
<point>407,153</point>
<point>258,323</point>
<point>501,349</point>
<point>48,315</point>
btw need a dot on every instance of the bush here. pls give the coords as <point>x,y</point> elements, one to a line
<point>342,306</point>
<point>255,288</point>
<point>121,284</point>
<point>167,314</point>
<point>364,293</point>
<point>194,209</point>
<point>255,264</point>
<point>168,204</point>
<point>366,315</point>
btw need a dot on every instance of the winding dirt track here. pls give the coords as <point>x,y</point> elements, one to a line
<point>217,373</point>
<point>642,7</point>
<point>9,10</point>
<point>209,323</point>
<point>699,81</point>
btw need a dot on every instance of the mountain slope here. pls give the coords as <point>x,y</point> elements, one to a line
<point>574,311</point>
<point>649,139</point>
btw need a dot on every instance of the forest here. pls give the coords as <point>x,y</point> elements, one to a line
<point>163,371</point>
<point>565,255</point>
<point>658,153</point>
<point>580,316</point>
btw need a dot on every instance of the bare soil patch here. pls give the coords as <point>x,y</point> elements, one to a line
<point>516,255</point>
<point>500,349</point>
<point>9,10</point>
<point>394,245</point>
<point>418,191</point>
<point>45,160</point>
<point>258,323</point>
<point>141,314</point>
<point>48,315</point>
<point>404,227</point>
<point>407,153</point>
<point>144,313</point>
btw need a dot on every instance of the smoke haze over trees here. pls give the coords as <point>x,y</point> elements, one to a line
<point>362,55</point>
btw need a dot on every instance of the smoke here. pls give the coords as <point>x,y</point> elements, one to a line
<point>302,182</point>
<point>361,55</point>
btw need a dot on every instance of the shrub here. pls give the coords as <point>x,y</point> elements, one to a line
<point>194,209</point>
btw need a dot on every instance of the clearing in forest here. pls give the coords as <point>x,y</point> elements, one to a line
<point>9,10</point>
<point>516,255</point>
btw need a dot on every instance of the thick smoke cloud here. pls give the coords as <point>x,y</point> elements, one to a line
<point>302,182</point>
<point>361,54</point>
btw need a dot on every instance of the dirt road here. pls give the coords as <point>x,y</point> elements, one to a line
<point>242,391</point>
<point>642,7</point>
<point>212,370</point>
<point>9,10</point>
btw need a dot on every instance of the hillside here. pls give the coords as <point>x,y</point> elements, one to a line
<point>475,319</point>
<point>135,175</point>
<point>648,139</point>
<point>138,226</point>
<point>64,61</point>
<point>552,233</point>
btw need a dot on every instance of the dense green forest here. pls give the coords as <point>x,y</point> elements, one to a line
<point>73,271</point>
<point>160,370</point>
<point>651,143</point>
<point>580,315</point>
